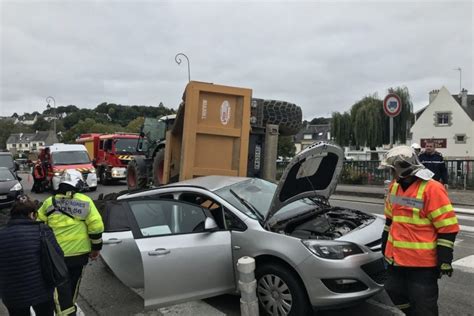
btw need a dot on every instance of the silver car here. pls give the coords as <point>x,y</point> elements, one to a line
<point>182,241</point>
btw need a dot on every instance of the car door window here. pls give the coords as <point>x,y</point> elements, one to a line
<point>167,217</point>
<point>207,203</point>
<point>233,222</point>
<point>114,215</point>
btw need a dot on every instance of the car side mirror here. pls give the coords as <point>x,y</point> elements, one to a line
<point>210,225</point>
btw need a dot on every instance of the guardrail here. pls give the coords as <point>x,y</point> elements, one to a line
<point>460,173</point>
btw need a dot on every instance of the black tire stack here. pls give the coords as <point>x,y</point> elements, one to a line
<point>285,114</point>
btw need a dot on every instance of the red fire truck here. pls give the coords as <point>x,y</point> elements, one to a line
<point>110,153</point>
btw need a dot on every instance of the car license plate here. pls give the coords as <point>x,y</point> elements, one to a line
<point>3,197</point>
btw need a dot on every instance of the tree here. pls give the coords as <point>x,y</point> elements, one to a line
<point>341,128</point>
<point>135,125</point>
<point>367,125</point>
<point>320,120</point>
<point>286,146</point>
<point>41,124</point>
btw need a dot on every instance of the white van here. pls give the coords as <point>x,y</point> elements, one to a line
<point>71,156</point>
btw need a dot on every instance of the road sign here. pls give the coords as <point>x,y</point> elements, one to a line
<point>392,105</point>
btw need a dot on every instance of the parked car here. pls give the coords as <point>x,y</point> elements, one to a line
<point>10,187</point>
<point>6,160</point>
<point>182,241</point>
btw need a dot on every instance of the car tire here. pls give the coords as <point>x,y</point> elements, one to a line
<point>158,167</point>
<point>287,115</point>
<point>279,280</point>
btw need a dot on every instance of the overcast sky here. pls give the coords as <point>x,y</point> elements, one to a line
<point>323,56</point>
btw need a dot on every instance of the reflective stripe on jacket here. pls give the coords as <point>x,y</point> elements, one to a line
<point>74,225</point>
<point>418,215</point>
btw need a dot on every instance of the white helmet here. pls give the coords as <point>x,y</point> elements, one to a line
<point>73,178</point>
<point>404,161</point>
<point>415,146</point>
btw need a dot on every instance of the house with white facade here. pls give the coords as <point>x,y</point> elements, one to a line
<point>448,120</point>
<point>310,134</point>
<point>30,142</point>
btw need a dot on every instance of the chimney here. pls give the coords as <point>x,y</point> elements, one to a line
<point>433,94</point>
<point>464,98</point>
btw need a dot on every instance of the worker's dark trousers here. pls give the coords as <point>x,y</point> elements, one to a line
<point>413,290</point>
<point>65,296</point>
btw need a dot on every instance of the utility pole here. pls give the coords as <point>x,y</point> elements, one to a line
<point>460,78</point>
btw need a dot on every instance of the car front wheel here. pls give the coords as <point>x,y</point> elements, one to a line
<point>280,292</point>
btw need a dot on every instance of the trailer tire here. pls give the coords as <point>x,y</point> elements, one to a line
<point>136,175</point>
<point>285,114</point>
<point>158,167</point>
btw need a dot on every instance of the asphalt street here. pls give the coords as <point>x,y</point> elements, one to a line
<point>103,294</point>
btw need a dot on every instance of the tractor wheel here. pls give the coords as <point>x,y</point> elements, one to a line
<point>158,167</point>
<point>136,176</point>
<point>287,115</point>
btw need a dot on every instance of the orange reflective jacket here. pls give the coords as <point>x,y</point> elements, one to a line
<point>418,215</point>
<point>38,172</point>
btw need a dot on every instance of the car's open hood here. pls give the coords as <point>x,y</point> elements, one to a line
<point>312,173</point>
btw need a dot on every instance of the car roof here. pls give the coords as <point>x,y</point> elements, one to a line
<point>66,147</point>
<point>210,183</point>
<point>5,153</point>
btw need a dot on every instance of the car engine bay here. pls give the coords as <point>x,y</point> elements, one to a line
<point>327,223</point>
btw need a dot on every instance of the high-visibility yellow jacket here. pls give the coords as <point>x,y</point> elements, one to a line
<point>75,221</point>
<point>419,216</point>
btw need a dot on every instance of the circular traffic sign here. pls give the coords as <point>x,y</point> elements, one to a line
<point>392,105</point>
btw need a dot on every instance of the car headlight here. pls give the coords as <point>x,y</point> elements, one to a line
<point>58,174</point>
<point>92,170</point>
<point>16,187</point>
<point>332,250</point>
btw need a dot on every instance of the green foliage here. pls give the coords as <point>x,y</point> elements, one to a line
<point>90,126</point>
<point>286,146</point>
<point>7,127</point>
<point>320,120</point>
<point>367,125</point>
<point>135,125</point>
<point>105,118</point>
<point>341,128</point>
<point>41,124</point>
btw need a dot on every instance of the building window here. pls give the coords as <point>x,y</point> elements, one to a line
<point>460,138</point>
<point>14,145</point>
<point>443,118</point>
<point>26,145</point>
<point>308,136</point>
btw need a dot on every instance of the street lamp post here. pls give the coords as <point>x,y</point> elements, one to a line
<point>48,100</point>
<point>178,60</point>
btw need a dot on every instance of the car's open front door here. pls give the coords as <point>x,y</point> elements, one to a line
<point>181,260</point>
<point>120,252</point>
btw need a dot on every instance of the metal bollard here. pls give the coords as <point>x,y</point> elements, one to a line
<point>247,286</point>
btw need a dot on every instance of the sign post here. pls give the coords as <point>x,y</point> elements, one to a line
<point>392,106</point>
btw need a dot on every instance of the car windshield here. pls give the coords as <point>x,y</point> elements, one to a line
<point>70,157</point>
<point>6,175</point>
<point>258,193</point>
<point>126,145</point>
<point>6,161</point>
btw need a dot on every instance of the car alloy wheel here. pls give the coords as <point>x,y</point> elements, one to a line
<point>274,295</point>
